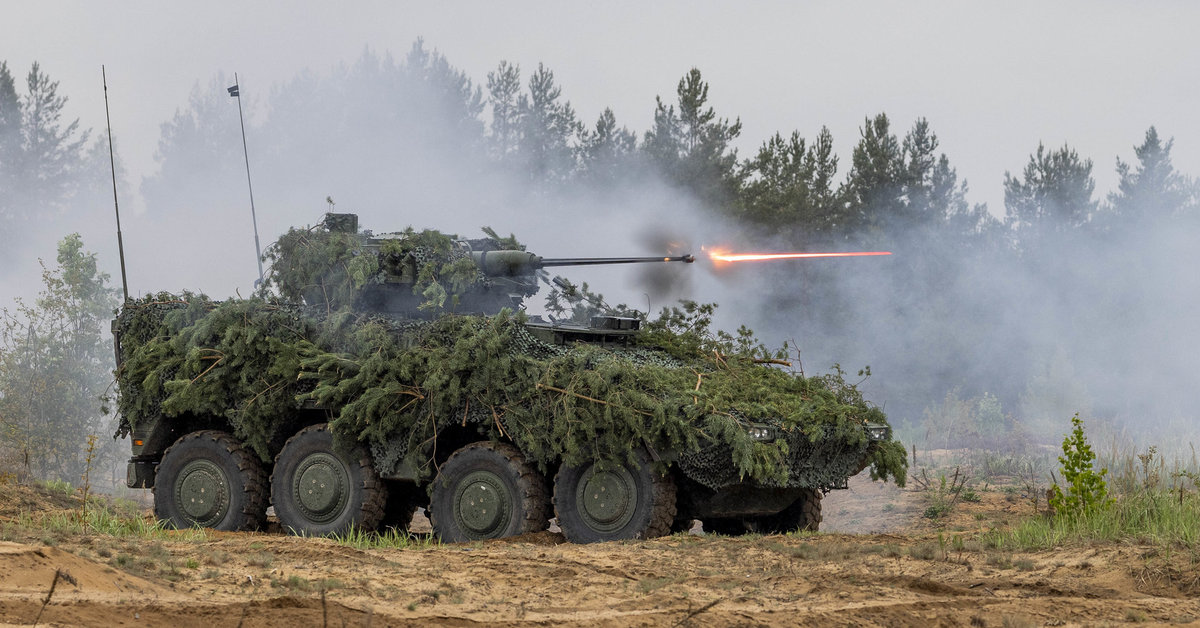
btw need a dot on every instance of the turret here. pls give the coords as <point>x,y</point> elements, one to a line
<point>413,273</point>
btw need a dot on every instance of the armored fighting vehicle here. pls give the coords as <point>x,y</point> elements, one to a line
<point>375,374</point>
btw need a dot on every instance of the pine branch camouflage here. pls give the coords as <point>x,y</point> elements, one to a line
<point>397,383</point>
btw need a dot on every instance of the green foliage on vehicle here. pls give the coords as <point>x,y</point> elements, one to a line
<point>396,383</point>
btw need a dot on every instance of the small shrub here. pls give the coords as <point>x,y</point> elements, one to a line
<point>935,511</point>
<point>924,551</point>
<point>1086,490</point>
<point>943,496</point>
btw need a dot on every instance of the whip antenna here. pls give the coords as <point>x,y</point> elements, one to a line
<point>113,165</point>
<point>236,92</point>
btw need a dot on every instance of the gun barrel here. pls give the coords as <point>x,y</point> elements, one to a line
<point>515,263</point>
<point>593,261</point>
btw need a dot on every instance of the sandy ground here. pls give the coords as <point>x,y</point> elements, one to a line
<point>886,565</point>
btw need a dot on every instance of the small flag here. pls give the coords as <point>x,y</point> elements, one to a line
<point>233,91</point>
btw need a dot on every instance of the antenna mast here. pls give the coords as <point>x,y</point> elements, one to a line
<point>113,165</point>
<point>236,92</point>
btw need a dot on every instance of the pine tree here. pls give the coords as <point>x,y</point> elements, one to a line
<point>51,148</point>
<point>548,130</point>
<point>789,187</point>
<point>1053,197</point>
<point>10,147</point>
<point>504,88</point>
<point>535,133</point>
<point>873,187</point>
<point>609,152</point>
<point>10,119</point>
<point>447,91</point>
<point>41,154</point>
<point>1085,488</point>
<point>895,187</point>
<point>936,199</point>
<point>1150,189</point>
<point>199,153</point>
<point>691,145</point>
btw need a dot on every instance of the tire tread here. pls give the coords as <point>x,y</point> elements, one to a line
<point>374,502</point>
<point>253,515</point>
<point>535,498</point>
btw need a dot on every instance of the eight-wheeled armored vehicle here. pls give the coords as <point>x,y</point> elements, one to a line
<point>378,373</point>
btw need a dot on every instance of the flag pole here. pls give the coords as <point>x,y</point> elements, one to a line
<point>113,165</point>
<point>236,92</point>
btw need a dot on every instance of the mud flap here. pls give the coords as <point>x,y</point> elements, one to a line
<point>140,474</point>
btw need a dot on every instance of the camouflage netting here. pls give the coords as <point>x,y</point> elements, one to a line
<point>396,383</point>
<point>330,269</point>
<point>184,355</point>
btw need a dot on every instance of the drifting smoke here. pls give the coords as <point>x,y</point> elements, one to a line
<point>1106,326</point>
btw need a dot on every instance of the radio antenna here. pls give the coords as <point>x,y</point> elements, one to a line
<point>236,92</point>
<point>113,165</point>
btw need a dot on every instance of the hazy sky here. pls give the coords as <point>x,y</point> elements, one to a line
<point>992,80</point>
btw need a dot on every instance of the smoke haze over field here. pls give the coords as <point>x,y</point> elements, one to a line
<point>1103,324</point>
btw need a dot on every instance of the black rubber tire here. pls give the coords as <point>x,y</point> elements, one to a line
<point>478,471</point>
<point>803,515</point>
<point>650,515</point>
<point>210,462</point>
<point>356,500</point>
<point>402,502</point>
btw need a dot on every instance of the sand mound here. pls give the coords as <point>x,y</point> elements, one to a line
<point>25,569</point>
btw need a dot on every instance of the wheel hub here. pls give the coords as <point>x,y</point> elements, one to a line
<point>321,487</point>
<point>482,505</point>
<point>606,499</point>
<point>202,492</point>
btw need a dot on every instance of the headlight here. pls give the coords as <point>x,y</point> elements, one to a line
<point>761,432</point>
<point>877,432</point>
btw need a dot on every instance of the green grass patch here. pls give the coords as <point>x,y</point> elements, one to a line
<point>57,487</point>
<point>1159,516</point>
<point>98,519</point>
<point>389,538</point>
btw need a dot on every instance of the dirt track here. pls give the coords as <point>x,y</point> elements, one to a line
<point>914,578</point>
